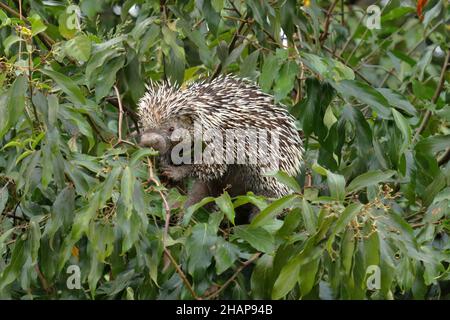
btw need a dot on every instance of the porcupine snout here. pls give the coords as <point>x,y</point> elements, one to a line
<point>153,140</point>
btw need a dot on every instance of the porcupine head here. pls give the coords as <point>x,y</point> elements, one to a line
<point>166,120</point>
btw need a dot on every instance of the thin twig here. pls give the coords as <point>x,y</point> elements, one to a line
<point>229,281</point>
<point>134,117</point>
<point>299,94</point>
<point>120,112</point>
<point>119,133</point>
<point>11,215</point>
<point>42,279</point>
<point>324,34</point>
<point>427,116</point>
<point>181,274</point>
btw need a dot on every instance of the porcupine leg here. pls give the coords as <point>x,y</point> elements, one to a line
<point>175,173</point>
<point>199,190</point>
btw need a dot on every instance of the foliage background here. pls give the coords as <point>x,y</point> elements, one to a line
<point>373,106</point>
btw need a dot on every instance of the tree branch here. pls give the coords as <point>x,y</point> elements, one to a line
<point>324,34</point>
<point>229,281</point>
<point>427,116</point>
<point>119,130</point>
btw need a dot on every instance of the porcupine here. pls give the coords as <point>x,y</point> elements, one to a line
<point>224,103</point>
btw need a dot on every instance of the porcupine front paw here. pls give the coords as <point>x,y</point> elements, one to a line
<point>175,173</point>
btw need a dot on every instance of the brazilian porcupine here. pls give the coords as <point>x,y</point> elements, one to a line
<point>221,104</point>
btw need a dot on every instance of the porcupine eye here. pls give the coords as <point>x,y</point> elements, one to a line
<point>171,129</point>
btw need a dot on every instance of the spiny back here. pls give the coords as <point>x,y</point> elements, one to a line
<point>225,103</point>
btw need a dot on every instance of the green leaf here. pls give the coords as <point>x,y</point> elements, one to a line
<point>225,255</point>
<point>109,184</point>
<point>272,210</point>
<point>398,101</point>
<point>53,107</point>
<point>190,210</point>
<point>404,128</point>
<point>433,144</point>
<point>37,26</point>
<point>14,268</point>
<point>309,217</point>
<point>310,106</point>
<point>81,124</point>
<point>262,279</point>
<point>84,216</point>
<point>287,279</point>
<point>67,85</point>
<point>67,24</point>
<point>9,41</point>
<point>432,13</point>
<point>285,179</point>
<point>226,206</point>
<point>311,251</point>
<point>249,66</point>
<point>307,276</point>
<point>95,273</point>
<point>4,195</point>
<point>107,78</point>
<point>61,213</point>
<point>91,8</point>
<point>258,238</point>
<point>4,19</point>
<point>15,105</point>
<point>175,67</point>
<point>347,250</point>
<point>286,80</point>
<point>126,190</point>
<point>396,13</point>
<point>141,153</point>
<point>369,179</point>
<point>35,238</point>
<point>234,54</point>
<point>199,248</point>
<point>327,67</point>
<point>100,55</point>
<point>272,64</point>
<point>319,169</point>
<point>365,94</point>
<point>336,183</point>
<point>78,48</point>
<point>290,224</point>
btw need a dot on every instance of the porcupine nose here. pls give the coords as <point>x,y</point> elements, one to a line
<point>153,140</point>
